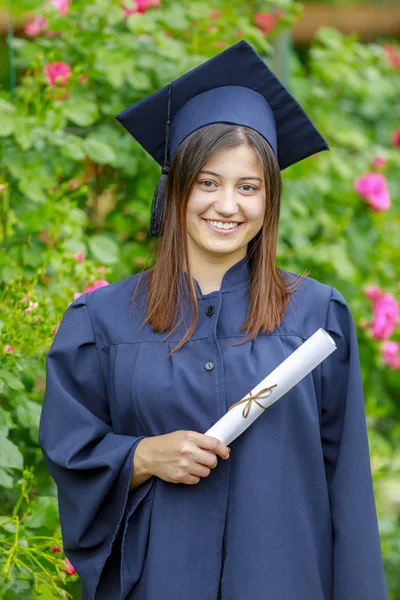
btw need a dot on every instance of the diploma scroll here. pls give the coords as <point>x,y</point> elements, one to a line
<point>282,379</point>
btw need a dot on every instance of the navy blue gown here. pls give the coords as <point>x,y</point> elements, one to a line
<point>290,515</point>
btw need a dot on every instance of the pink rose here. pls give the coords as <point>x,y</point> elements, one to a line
<point>140,6</point>
<point>374,189</point>
<point>79,257</point>
<point>396,138</point>
<point>391,354</point>
<point>9,349</point>
<point>265,22</point>
<point>69,569</point>
<point>96,285</point>
<point>386,316</point>
<point>57,73</point>
<point>61,6</point>
<point>215,14</point>
<point>36,27</point>
<point>380,202</point>
<point>373,292</point>
<point>392,56</point>
<point>379,162</point>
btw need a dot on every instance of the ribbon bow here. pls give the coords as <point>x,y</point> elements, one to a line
<point>252,398</point>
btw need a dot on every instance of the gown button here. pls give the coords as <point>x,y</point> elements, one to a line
<point>210,311</point>
<point>209,365</point>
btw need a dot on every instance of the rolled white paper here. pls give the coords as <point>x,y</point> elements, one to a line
<point>292,370</point>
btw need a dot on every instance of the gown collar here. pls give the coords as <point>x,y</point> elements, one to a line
<point>236,276</point>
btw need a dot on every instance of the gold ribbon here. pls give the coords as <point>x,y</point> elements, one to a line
<point>252,398</point>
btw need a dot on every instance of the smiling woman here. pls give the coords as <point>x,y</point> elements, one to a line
<point>221,173</point>
<point>147,509</point>
<point>224,214</point>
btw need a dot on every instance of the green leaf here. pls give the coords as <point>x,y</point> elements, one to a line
<point>10,456</point>
<point>104,249</point>
<point>44,513</point>
<point>28,414</point>
<point>73,148</point>
<point>81,111</point>
<point>32,189</point>
<point>99,151</point>
<point>6,422</point>
<point>7,112</point>
<point>6,481</point>
<point>23,134</point>
<point>11,380</point>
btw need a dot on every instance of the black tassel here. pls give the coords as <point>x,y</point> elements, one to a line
<point>157,205</point>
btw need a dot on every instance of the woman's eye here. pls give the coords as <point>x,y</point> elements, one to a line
<point>250,188</point>
<point>247,185</point>
<point>206,181</point>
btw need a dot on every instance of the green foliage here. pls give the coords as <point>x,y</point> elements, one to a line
<point>76,186</point>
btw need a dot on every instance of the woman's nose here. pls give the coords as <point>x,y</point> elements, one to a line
<point>226,203</point>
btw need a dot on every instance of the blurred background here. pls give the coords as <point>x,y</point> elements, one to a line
<point>75,195</point>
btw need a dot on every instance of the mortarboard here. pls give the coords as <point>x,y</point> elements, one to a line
<point>235,86</point>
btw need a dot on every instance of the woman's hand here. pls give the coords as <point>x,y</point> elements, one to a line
<point>178,457</point>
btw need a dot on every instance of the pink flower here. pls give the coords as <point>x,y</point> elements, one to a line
<point>140,6</point>
<point>25,298</point>
<point>96,285</point>
<point>373,188</point>
<point>36,27</point>
<point>266,21</point>
<point>386,316</point>
<point>69,569</point>
<point>73,184</point>
<point>79,257</point>
<point>373,292</point>
<point>379,162</point>
<point>392,56</point>
<point>61,5</point>
<point>396,138</point>
<point>9,350</point>
<point>57,73</point>
<point>215,14</point>
<point>83,79</point>
<point>3,187</point>
<point>391,354</point>
<point>31,306</point>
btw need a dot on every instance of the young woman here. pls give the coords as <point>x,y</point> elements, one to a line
<point>151,508</point>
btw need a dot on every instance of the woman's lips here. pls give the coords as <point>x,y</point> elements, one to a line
<point>223,231</point>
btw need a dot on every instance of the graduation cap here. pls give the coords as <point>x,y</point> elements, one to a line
<point>235,86</point>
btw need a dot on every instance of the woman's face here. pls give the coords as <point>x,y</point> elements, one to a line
<point>229,189</point>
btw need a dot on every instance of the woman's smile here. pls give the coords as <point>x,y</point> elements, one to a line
<point>225,228</point>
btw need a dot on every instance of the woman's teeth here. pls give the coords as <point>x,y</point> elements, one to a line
<point>222,225</point>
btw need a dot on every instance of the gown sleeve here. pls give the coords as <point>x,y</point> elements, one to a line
<point>90,464</point>
<point>358,570</point>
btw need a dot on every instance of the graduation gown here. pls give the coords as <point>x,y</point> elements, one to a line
<point>290,515</point>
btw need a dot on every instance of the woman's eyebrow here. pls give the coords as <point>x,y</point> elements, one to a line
<point>240,178</point>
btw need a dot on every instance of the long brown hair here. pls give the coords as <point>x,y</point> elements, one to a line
<point>269,289</point>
